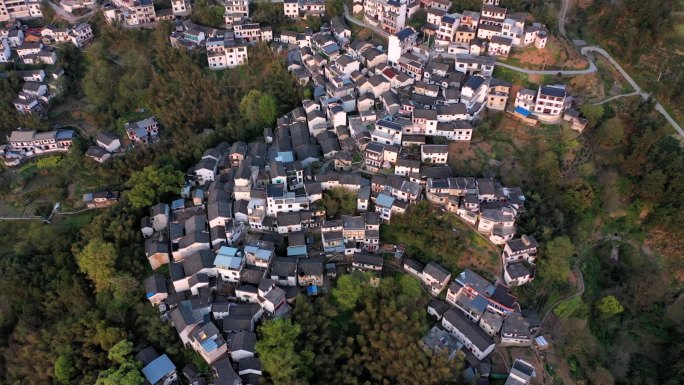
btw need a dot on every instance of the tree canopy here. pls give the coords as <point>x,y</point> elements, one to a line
<point>258,109</point>
<point>285,364</point>
<point>554,265</point>
<point>151,183</point>
<point>609,306</point>
<point>338,201</point>
<point>97,261</point>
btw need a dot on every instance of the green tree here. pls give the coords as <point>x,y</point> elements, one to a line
<point>338,201</point>
<point>554,265</point>
<point>258,109</point>
<point>334,7</point>
<point>121,352</point>
<point>609,306</point>
<point>418,19</point>
<point>652,187</point>
<point>610,133</point>
<point>152,182</point>
<point>64,368</point>
<point>128,370</point>
<point>205,13</point>
<point>410,286</point>
<point>97,260</point>
<point>268,109</point>
<point>348,290</point>
<point>276,348</point>
<point>592,113</point>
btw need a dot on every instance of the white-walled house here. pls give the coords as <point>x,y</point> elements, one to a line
<point>434,153</point>
<point>468,333</point>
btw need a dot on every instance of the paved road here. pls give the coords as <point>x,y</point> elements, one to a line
<point>69,17</point>
<point>579,292</point>
<point>360,23</point>
<point>591,69</point>
<point>616,97</point>
<point>565,4</point>
<point>644,95</point>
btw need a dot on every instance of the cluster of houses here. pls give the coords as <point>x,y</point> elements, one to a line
<point>34,47</point>
<point>139,132</point>
<point>106,143</point>
<point>224,48</point>
<point>136,12</point>
<point>224,279</point>
<point>491,31</point>
<point>240,241</point>
<point>20,9</point>
<point>477,315</point>
<point>227,48</point>
<point>22,144</point>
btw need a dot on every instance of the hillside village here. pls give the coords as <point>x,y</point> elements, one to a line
<point>247,236</point>
<point>248,232</point>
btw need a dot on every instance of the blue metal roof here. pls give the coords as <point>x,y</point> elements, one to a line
<point>480,302</point>
<point>227,258</point>
<point>296,250</point>
<point>178,204</point>
<point>209,345</point>
<point>157,369</point>
<point>522,111</point>
<point>286,156</point>
<point>384,200</point>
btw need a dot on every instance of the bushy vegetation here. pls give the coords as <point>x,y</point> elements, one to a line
<point>427,234</point>
<point>359,335</point>
<point>623,181</point>
<point>71,290</point>
<point>338,201</point>
<point>647,43</point>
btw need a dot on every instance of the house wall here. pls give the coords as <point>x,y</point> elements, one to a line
<point>158,259</point>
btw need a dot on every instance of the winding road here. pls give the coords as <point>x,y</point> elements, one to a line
<point>68,16</point>
<point>565,5</point>
<point>591,69</point>
<point>578,293</point>
<point>360,23</point>
<point>616,97</point>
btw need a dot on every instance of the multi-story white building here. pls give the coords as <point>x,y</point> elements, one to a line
<point>235,11</point>
<point>5,52</point>
<point>131,12</point>
<point>80,34</point>
<point>181,7</point>
<point>550,102</point>
<point>19,9</point>
<point>295,9</point>
<point>400,43</point>
<point>225,53</point>
<point>41,142</point>
<point>468,333</point>
<point>447,29</point>
<point>390,15</point>
<point>291,8</point>
<point>250,32</point>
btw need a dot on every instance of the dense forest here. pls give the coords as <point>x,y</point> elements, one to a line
<point>623,191</point>
<point>645,36</point>
<point>71,304</point>
<point>359,334</point>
